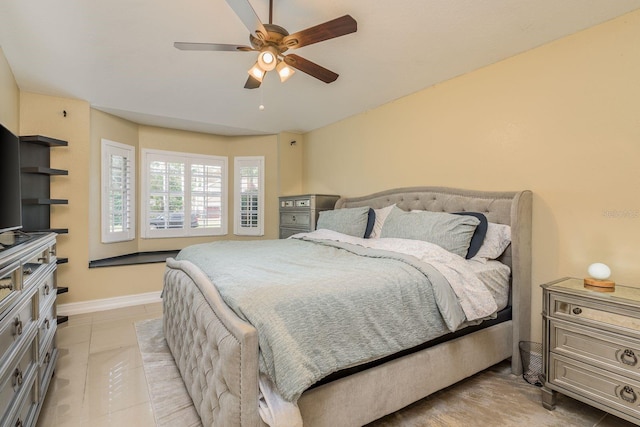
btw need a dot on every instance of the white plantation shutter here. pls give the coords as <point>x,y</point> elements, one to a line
<point>184,194</point>
<point>118,192</point>
<point>249,196</point>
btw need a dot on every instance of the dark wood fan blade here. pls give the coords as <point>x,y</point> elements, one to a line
<point>329,30</point>
<point>252,83</point>
<point>310,68</point>
<point>212,46</point>
<point>249,18</point>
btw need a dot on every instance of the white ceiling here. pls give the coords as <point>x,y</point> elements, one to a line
<point>118,54</point>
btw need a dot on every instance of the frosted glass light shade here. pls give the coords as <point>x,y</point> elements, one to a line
<point>599,271</point>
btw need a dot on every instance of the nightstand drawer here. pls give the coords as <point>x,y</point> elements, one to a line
<point>596,313</point>
<point>295,219</point>
<point>614,391</point>
<point>590,345</point>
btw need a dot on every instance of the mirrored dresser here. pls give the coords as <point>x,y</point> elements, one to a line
<point>28,350</point>
<point>591,346</point>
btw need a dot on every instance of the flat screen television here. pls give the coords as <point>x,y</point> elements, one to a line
<point>10,199</point>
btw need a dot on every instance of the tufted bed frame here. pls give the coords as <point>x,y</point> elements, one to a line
<point>217,352</point>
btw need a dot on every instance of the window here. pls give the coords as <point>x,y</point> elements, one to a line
<point>249,196</point>
<point>118,192</point>
<point>184,194</point>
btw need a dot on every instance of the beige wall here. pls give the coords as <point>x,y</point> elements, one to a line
<point>561,120</point>
<point>290,147</point>
<point>10,98</point>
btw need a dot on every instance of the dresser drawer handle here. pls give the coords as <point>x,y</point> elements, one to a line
<point>627,394</point>
<point>47,358</point>
<point>46,323</point>
<point>577,310</point>
<point>18,423</point>
<point>18,326</point>
<point>17,377</point>
<point>629,358</point>
<point>293,218</point>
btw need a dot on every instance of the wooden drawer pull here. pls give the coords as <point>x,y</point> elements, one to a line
<point>627,394</point>
<point>577,310</point>
<point>629,358</point>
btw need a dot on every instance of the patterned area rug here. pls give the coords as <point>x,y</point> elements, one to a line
<point>171,403</point>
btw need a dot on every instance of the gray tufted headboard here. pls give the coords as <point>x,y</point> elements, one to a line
<point>511,208</point>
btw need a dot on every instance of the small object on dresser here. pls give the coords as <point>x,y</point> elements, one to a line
<point>600,274</point>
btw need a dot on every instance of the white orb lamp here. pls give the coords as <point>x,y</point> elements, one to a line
<point>600,274</point>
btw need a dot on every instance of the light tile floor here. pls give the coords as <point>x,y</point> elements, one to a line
<point>99,378</point>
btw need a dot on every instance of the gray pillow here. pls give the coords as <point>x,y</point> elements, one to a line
<point>449,231</point>
<point>351,221</point>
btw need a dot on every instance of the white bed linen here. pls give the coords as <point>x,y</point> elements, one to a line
<point>495,276</point>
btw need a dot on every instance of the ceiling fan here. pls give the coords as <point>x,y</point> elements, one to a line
<point>272,41</point>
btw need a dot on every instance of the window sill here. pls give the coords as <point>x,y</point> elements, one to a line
<point>133,259</point>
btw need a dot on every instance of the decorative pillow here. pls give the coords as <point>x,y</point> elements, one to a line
<point>351,221</point>
<point>381,216</point>
<point>449,231</point>
<point>495,242</point>
<point>371,220</point>
<point>478,235</point>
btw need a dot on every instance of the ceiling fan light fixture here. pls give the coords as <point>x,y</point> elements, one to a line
<point>257,72</point>
<point>268,58</point>
<point>284,71</point>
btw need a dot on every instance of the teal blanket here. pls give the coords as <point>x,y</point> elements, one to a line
<point>320,306</point>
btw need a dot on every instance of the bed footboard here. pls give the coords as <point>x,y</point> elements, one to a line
<point>215,351</point>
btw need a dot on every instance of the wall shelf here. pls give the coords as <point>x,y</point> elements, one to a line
<point>36,173</point>
<point>44,171</point>
<point>42,201</point>
<point>43,140</point>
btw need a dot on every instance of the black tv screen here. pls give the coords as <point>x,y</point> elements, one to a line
<point>10,200</point>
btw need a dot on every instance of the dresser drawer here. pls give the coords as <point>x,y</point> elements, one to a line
<point>613,317</point>
<point>590,345</point>
<point>18,372</point>
<point>296,219</point>
<point>616,391</point>
<point>17,322</point>
<point>46,368</point>
<point>24,411</point>
<point>46,290</point>
<point>47,325</point>
<point>10,284</point>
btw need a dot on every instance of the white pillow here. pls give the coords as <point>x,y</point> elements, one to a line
<point>381,216</point>
<point>495,242</point>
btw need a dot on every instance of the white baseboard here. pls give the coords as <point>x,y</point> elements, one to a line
<point>91,306</point>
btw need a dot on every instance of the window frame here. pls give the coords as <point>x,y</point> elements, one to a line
<point>238,229</point>
<point>107,150</point>
<point>188,159</point>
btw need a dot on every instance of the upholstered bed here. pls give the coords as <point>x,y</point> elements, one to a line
<point>217,352</point>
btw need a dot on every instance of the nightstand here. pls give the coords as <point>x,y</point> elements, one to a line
<point>591,347</point>
<point>298,214</point>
